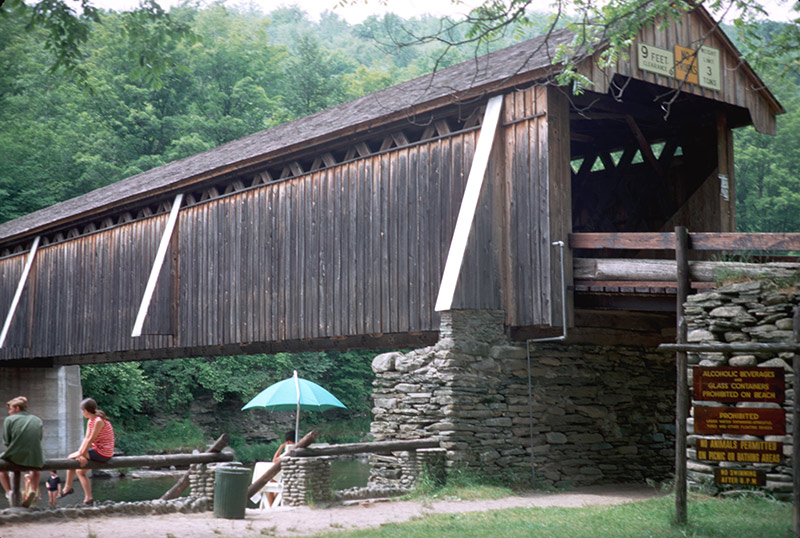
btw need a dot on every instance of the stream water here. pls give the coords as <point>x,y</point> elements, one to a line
<point>344,474</point>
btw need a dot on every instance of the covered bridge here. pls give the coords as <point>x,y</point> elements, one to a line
<point>335,231</point>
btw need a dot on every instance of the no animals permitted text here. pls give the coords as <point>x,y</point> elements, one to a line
<point>739,451</point>
<point>739,420</point>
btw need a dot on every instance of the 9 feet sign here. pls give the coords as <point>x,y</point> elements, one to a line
<point>696,66</point>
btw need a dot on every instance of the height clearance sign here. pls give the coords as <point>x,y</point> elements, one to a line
<point>695,66</point>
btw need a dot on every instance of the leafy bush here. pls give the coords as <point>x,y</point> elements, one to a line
<point>121,389</point>
<point>251,453</point>
<point>174,437</point>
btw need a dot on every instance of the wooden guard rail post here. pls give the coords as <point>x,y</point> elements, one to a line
<point>176,490</point>
<point>626,272</point>
<point>655,273</point>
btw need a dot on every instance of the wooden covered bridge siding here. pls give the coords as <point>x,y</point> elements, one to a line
<point>354,249</point>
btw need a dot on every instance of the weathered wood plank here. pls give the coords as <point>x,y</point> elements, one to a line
<point>717,347</point>
<point>542,287</point>
<point>650,285</point>
<point>121,462</point>
<point>560,196</point>
<point>377,447</point>
<point>287,255</point>
<point>353,285</point>
<point>414,211</point>
<point>665,270</point>
<point>337,216</point>
<point>653,240</point>
<point>771,242</point>
<point>400,211</point>
<point>382,278</point>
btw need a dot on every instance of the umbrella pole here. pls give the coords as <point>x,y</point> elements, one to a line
<point>297,418</point>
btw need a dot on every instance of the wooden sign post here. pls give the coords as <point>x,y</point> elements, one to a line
<point>796,429</point>
<point>682,390</point>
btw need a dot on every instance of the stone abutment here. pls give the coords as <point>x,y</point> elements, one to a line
<point>598,414</point>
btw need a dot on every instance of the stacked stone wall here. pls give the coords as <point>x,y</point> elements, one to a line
<point>201,480</point>
<point>740,313</point>
<point>306,480</point>
<point>600,414</point>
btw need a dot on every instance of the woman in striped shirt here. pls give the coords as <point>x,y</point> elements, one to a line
<point>97,445</point>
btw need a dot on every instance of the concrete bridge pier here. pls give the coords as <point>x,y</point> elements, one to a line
<point>54,395</point>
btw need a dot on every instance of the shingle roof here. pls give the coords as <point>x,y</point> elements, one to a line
<point>482,75</point>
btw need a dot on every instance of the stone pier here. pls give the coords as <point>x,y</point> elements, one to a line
<point>599,414</point>
<point>54,395</point>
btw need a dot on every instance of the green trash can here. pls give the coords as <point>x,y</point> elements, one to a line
<point>230,491</point>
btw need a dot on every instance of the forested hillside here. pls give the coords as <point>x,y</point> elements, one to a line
<point>245,71</point>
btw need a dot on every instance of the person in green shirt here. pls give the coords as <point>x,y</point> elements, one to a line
<point>22,435</point>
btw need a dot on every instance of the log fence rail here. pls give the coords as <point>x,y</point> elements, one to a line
<point>213,455</point>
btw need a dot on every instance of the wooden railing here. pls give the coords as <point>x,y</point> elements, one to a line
<point>127,462</point>
<point>767,242</point>
<point>661,273</point>
<point>214,454</point>
<point>304,451</point>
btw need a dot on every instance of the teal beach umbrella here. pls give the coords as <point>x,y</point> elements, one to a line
<point>294,393</point>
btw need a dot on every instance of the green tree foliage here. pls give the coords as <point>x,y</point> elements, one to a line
<point>766,167</point>
<point>131,392</point>
<point>66,27</point>
<point>608,26</point>
<point>121,389</point>
<point>347,375</point>
<point>313,77</point>
<point>242,72</point>
<point>146,96</point>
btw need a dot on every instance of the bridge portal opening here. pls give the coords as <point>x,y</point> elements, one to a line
<point>645,158</point>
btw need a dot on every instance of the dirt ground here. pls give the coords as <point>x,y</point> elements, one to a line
<point>303,521</point>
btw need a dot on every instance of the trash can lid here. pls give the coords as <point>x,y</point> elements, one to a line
<point>233,469</point>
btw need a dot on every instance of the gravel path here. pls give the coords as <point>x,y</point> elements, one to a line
<point>303,521</point>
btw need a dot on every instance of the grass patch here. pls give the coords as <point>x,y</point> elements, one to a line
<point>708,517</point>
<point>463,485</point>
